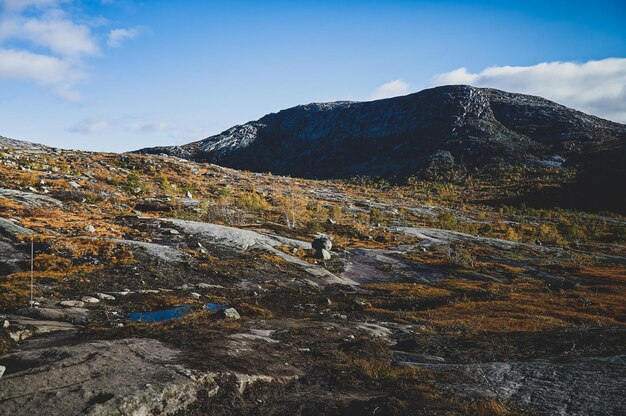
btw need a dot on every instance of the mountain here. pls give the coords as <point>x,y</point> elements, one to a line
<point>472,129</point>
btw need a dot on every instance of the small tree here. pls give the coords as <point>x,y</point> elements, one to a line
<point>293,207</point>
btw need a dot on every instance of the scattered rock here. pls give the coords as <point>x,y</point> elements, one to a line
<point>322,242</point>
<point>104,296</point>
<point>322,246</point>
<point>90,228</point>
<point>72,303</point>
<point>90,299</point>
<point>229,313</point>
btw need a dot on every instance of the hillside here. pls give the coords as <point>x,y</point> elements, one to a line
<point>451,131</point>
<point>426,302</point>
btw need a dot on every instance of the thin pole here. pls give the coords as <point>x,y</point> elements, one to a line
<point>32,268</point>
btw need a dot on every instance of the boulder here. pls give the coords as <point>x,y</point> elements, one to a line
<point>323,254</point>
<point>322,242</point>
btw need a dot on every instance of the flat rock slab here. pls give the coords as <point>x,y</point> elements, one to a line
<point>30,199</point>
<point>156,251</point>
<point>75,315</point>
<point>366,266</point>
<point>122,377</point>
<point>243,240</point>
<point>14,230</point>
<point>583,386</point>
<point>232,237</point>
<point>435,236</point>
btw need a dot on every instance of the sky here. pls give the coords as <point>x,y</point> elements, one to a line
<point>119,75</point>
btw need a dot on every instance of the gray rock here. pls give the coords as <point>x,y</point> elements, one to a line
<point>229,313</point>
<point>134,376</point>
<point>90,299</point>
<point>90,228</point>
<point>14,230</point>
<point>323,254</point>
<point>104,296</point>
<point>30,199</point>
<point>322,242</point>
<point>78,315</point>
<point>72,303</point>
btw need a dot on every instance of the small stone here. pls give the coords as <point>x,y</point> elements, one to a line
<point>104,296</point>
<point>6,324</point>
<point>74,185</point>
<point>90,299</point>
<point>90,228</point>
<point>72,303</point>
<point>174,232</point>
<point>229,313</point>
<point>2,370</point>
<point>188,194</point>
<point>195,295</point>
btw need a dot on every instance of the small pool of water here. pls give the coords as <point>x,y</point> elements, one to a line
<point>172,313</point>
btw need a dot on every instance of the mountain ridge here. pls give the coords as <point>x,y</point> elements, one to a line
<point>397,136</point>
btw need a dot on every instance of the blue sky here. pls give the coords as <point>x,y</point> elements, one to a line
<point>121,75</point>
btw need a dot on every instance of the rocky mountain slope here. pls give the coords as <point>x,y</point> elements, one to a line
<point>458,128</point>
<point>170,287</point>
<point>398,136</point>
<point>18,144</point>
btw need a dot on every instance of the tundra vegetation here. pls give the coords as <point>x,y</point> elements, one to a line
<point>430,288</point>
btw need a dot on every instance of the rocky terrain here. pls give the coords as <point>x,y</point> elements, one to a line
<point>165,286</point>
<point>450,131</point>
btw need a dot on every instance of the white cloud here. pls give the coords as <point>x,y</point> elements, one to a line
<point>24,4</point>
<point>595,87</point>
<point>117,36</point>
<point>89,126</point>
<point>51,45</point>
<point>48,41</point>
<point>44,69</point>
<point>390,89</point>
<point>150,127</point>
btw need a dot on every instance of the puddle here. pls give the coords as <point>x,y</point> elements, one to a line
<point>172,313</point>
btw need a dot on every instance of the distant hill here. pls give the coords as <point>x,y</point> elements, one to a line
<point>474,129</point>
<point>19,144</point>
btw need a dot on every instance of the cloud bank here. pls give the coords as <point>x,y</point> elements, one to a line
<point>390,89</point>
<point>594,87</point>
<point>117,36</point>
<point>89,126</point>
<point>48,41</point>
